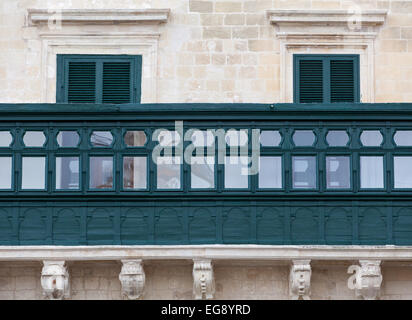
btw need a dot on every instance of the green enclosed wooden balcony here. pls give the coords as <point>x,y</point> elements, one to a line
<point>137,174</point>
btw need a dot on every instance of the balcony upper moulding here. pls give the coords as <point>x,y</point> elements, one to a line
<point>97,16</point>
<point>315,23</point>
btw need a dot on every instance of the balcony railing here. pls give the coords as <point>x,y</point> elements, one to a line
<point>205,173</point>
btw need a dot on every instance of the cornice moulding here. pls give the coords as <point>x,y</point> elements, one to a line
<point>326,17</point>
<point>97,16</point>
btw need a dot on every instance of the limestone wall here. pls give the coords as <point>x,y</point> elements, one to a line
<point>208,51</point>
<point>173,280</point>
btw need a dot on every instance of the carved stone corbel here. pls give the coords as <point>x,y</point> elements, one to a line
<point>132,278</point>
<point>203,279</point>
<point>299,279</point>
<point>55,280</point>
<point>367,279</point>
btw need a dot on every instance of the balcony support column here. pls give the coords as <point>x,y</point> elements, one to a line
<point>299,280</point>
<point>55,280</point>
<point>132,278</point>
<point>203,279</point>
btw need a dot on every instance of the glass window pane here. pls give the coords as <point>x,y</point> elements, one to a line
<point>67,173</point>
<point>34,139</point>
<point>303,138</point>
<point>203,138</point>
<point>403,138</point>
<point>168,172</point>
<point>202,172</point>
<point>134,173</point>
<point>236,138</point>
<point>304,172</point>
<point>270,172</point>
<point>371,172</point>
<point>403,172</point>
<point>337,138</point>
<point>5,139</point>
<point>68,139</point>
<point>135,138</point>
<point>371,138</point>
<point>169,138</point>
<point>338,172</point>
<point>270,138</point>
<point>5,172</point>
<point>236,172</point>
<point>101,139</point>
<point>101,172</point>
<point>34,173</point>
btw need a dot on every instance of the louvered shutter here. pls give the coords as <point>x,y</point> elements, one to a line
<point>116,82</point>
<point>342,81</point>
<point>81,82</point>
<point>310,81</point>
<point>112,79</point>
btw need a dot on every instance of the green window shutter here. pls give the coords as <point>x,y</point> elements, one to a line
<point>112,79</point>
<point>81,84</point>
<point>326,78</point>
<point>311,81</point>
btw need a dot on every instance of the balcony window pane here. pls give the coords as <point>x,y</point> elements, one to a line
<point>134,173</point>
<point>135,138</point>
<point>270,138</point>
<point>168,173</point>
<point>68,139</point>
<point>236,172</point>
<point>5,172</point>
<point>202,172</point>
<point>67,173</point>
<point>337,138</point>
<point>304,138</point>
<point>101,139</point>
<point>169,138</point>
<point>34,173</point>
<point>5,139</point>
<point>403,138</point>
<point>403,172</point>
<point>202,138</point>
<point>371,172</point>
<point>338,172</point>
<point>101,172</point>
<point>235,138</point>
<point>270,172</point>
<point>34,139</point>
<point>371,138</point>
<point>304,172</point>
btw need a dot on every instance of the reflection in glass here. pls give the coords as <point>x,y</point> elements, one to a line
<point>338,172</point>
<point>270,138</point>
<point>371,138</point>
<point>236,172</point>
<point>33,173</point>
<point>236,138</point>
<point>135,138</point>
<point>134,173</point>
<point>168,172</point>
<point>304,172</point>
<point>5,139</point>
<point>403,172</point>
<point>101,139</point>
<point>337,138</point>
<point>5,172</point>
<point>68,139</point>
<point>101,172</point>
<point>67,173</point>
<point>202,172</point>
<point>270,172</point>
<point>304,138</point>
<point>34,139</point>
<point>202,138</point>
<point>371,172</point>
<point>403,138</point>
